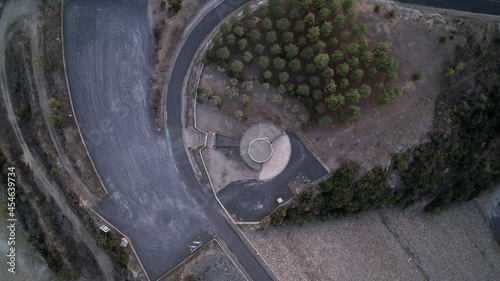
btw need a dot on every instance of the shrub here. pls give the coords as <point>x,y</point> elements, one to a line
<point>416,76</point>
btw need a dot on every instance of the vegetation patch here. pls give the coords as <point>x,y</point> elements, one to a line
<point>315,51</point>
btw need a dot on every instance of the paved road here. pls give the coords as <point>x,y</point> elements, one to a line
<point>106,49</point>
<point>200,191</point>
<point>491,7</point>
<point>251,200</point>
<point>154,198</point>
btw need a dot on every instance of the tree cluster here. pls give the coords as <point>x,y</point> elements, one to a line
<point>316,50</point>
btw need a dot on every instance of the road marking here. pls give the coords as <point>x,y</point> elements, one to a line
<point>175,165</point>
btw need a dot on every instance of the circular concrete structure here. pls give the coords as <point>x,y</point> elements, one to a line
<point>265,148</point>
<point>260,150</point>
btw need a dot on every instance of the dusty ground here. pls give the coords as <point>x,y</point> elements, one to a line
<point>388,244</point>
<point>384,245</point>
<point>380,131</point>
<point>210,263</point>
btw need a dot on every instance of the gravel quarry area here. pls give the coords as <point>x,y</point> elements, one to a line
<point>210,263</point>
<point>384,245</point>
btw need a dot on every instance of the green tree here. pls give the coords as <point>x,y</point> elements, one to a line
<point>266,75</point>
<point>247,11</point>
<point>223,53</point>
<point>324,13</point>
<point>275,49</point>
<point>354,111</point>
<point>321,60</point>
<point>380,49</point>
<point>344,83</point>
<point>287,37</point>
<point>347,5</point>
<point>386,64</point>
<point>217,40</point>
<point>259,48</point>
<point>357,74</point>
<point>366,57</point>
<point>232,92</point>
<point>353,96</point>
<point>372,72</point>
<point>291,50</point>
<point>303,90</point>
<point>334,102</point>
<point>326,28</point>
<point>319,47</point>
<point>320,108</point>
<point>299,26</point>
<point>317,94</point>
<point>342,69</point>
<point>251,23</point>
<point>337,56</point>
<point>239,31</point>
<point>237,66</point>
<point>310,19</point>
<point>295,65</point>
<point>230,39</point>
<point>416,76</point>
<point>354,63</point>
<point>271,37</point>
<point>225,27</point>
<point>245,100</point>
<point>283,76</point>
<point>240,115</point>
<point>307,53</point>
<point>313,34</point>
<point>242,44</point>
<point>279,64</point>
<point>449,72</point>
<point>310,68</point>
<point>267,23</point>
<point>55,116</point>
<point>263,62</point>
<point>283,24</point>
<point>352,48</point>
<point>254,35</point>
<point>330,86</point>
<point>328,73</point>
<point>339,20</point>
<point>314,81</point>
<point>365,90</point>
<point>325,121</point>
<point>215,102</point>
<point>247,57</point>
<point>359,29</point>
<point>176,5</point>
<point>247,86</point>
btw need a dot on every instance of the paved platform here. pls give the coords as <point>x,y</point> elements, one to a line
<point>252,200</point>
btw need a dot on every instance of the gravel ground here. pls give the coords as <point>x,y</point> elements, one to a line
<point>384,245</point>
<point>210,263</point>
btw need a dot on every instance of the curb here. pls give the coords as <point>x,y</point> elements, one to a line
<point>228,218</point>
<point>129,241</point>
<point>73,108</point>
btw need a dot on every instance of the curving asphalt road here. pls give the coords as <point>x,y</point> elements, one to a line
<point>154,196</point>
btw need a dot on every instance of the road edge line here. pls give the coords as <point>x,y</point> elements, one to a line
<point>129,241</point>
<point>73,108</point>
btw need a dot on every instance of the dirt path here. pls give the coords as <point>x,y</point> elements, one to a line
<point>14,11</point>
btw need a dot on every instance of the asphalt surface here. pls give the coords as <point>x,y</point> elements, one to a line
<point>154,196</point>
<point>106,49</point>
<point>252,200</point>
<point>491,7</point>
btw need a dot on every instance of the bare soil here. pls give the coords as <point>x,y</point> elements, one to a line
<point>384,245</point>
<point>390,244</point>
<point>380,132</point>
